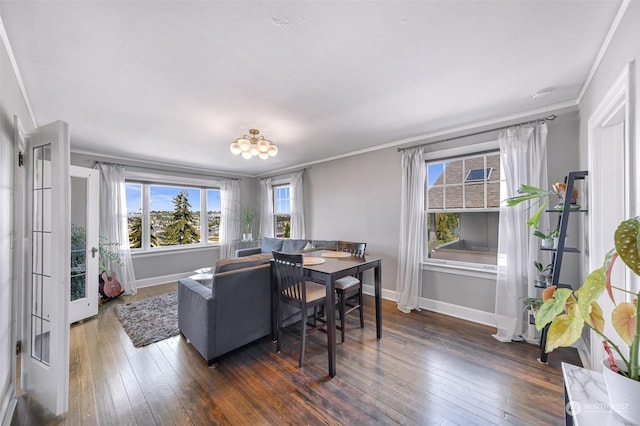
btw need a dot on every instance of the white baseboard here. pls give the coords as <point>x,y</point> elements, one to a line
<point>386,294</point>
<point>11,408</point>
<point>148,282</point>
<point>462,312</point>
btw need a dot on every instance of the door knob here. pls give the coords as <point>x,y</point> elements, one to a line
<point>93,252</point>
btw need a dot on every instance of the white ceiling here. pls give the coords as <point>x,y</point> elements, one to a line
<point>177,82</point>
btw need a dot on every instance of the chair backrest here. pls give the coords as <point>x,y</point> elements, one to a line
<point>290,275</point>
<point>356,249</point>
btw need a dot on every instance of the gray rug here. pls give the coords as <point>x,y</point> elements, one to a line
<point>150,320</point>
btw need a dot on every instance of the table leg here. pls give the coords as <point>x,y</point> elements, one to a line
<point>275,306</point>
<point>330,309</point>
<point>377,273</point>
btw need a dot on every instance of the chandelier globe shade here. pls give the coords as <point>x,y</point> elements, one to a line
<point>235,148</point>
<point>253,145</point>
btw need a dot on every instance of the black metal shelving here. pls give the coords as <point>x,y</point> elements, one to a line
<point>560,250</point>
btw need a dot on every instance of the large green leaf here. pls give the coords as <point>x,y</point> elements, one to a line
<point>590,291</point>
<point>627,240</point>
<point>551,308</point>
<point>565,330</point>
<point>535,218</point>
<point>527,192</point>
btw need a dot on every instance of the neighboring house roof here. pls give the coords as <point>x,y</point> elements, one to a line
<point>466,195</point>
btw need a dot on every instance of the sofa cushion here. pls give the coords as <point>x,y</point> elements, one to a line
<point>271,244</point>
<point>233,263</point>
<point>325,244</point>
<point>293,246</point>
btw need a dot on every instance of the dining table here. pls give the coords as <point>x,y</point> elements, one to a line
<point>333,267</point>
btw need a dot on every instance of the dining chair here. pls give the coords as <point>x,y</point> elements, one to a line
<point>294,289</point>
<point>349,289</point>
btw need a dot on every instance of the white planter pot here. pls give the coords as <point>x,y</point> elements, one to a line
<point>547,243</point>
<point>624,393</point>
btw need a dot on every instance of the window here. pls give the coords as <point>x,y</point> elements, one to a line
<point>463,201</point>
<point>165,215</point>
<point>282,210</point>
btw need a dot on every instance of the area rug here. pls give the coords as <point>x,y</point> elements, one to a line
<point>150,320</point>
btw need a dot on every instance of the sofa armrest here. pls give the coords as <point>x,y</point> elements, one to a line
<point>248,251</point>
<point>196,314</point>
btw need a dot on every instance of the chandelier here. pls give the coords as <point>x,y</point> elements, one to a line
<point>250,146</point>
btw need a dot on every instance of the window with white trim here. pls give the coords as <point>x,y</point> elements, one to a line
<point>171,215</point>
<point>282,210</point>
<point>462,207</point>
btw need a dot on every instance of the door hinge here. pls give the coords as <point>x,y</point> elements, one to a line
<point>20,159</point>
<point>18,347</point>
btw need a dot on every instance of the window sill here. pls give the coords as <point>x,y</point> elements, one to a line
<point>460,268</point>
<point>172,250</point>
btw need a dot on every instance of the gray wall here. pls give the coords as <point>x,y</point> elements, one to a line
<point>358,199</point>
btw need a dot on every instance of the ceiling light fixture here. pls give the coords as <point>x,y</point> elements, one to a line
<point>254,145</point>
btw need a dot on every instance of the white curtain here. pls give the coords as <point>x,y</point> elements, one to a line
<point>410,251</point>
<point>113,222</point>
<point>524,161</point>
<point>266,208</point>
<point>229,216</point>
<point>297,205</point>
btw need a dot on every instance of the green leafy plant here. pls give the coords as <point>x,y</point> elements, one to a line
<point>554,233</point>
<point>531,303</point>
<point>543,270</point>
<point>246,220</point>
<point>107,254</point>
<point>528,192</point>
<point>568,311</point>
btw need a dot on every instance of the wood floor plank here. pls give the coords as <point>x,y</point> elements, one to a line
<point>429,369</point>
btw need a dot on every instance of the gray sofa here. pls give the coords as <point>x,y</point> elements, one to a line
<point>288,246</point>
<point>233,311</point>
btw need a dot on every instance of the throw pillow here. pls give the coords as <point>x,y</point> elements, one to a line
<point>293,246</point>
<point>271,244</point>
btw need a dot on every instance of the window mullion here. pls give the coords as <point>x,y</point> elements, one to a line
<point>204,217</point>
<point>146,218</point>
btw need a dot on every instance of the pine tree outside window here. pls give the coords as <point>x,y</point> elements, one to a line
<point>171,216</point>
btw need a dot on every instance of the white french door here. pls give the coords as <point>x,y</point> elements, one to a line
<point>46,248</point>
<point>85,188</point>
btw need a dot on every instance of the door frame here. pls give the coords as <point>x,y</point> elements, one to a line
<point>618,100</point>
<point>91,205</point>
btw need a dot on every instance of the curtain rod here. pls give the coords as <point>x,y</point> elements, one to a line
<point>164,171</point>
<point>548,118</point>
<point>285,173</point>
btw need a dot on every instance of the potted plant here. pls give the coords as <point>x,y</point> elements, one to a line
<point>246,223</point>
<point>548,239</point>
<point>532,304</point>
<point>567,311</point>
<point>544,272</point>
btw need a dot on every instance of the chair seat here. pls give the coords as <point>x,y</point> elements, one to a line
<point>315,291</point>
<point>346,282</point>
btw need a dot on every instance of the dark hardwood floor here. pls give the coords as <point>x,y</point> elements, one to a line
<point>428,369</point>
